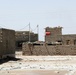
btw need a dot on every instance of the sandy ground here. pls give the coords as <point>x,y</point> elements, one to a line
<point>34,72</point>
<point>39,65</point>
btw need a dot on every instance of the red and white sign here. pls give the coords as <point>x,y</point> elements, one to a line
<point>48,33</point>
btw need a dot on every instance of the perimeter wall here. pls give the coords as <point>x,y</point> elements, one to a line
<point>44,49</point>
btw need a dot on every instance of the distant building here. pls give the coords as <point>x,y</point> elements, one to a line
<point>55,44</point>
<point>54,35</point>
<point>7,43</point>
<point>23,36</point>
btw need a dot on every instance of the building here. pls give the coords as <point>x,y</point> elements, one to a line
<point>23,36</point>
<point>54,35</point>
<point>7,43</point>
<point>55,44</point>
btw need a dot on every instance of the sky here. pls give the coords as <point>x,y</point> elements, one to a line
<point>17,14</point>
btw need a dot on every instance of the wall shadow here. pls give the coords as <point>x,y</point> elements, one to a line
<point>9,59</point>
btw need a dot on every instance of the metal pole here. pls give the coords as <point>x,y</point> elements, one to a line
<point>38,31</point>
<point>29,32</point>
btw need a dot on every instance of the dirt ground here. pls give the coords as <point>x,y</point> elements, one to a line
<point>39,65</point>
<point>34,72</point>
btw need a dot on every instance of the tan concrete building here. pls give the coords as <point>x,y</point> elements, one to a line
<point>7,43</point>
<point>55,44</point>
<point>54,35</point>
<point>23,36</point>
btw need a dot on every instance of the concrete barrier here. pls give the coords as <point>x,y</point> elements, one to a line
<point>44,49</point>
<point>7,43</point>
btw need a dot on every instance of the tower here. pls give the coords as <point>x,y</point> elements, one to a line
<point>51,34</point>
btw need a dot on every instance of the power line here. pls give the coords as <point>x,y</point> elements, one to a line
<point>24,27</point>
<point>34,28</point>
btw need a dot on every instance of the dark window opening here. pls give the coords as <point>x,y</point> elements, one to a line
<point>74,42</point>
<point>59,41</point>
<point>6,44</point>
<point>19,44</point>
<point>68,42</point>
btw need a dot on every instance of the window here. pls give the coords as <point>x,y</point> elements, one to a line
<point>6,44</point>
<point>19,44</point>
<point>74,42</point>
<point>68,42</point>
<point>60,42</point>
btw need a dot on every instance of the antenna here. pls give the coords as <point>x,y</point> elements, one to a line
<point>29,32</point>
<point>38,31</point>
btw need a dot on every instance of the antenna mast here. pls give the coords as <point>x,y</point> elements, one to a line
<point>29,32</point>
<point>38,31</point>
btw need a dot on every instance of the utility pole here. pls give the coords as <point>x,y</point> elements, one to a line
<point>29,32</point>
<point>38,31</point>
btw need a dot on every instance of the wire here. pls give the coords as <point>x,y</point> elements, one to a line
<point>34,29</point>
<point>24,27</point>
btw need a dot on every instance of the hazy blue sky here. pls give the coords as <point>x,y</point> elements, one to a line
<point>16,14</point>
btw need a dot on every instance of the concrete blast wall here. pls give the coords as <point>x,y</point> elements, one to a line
<point>43,49</point>
<point>7,43</point>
